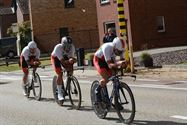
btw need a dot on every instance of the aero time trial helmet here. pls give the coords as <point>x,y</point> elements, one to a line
<point>66,40</point>
<point>118,44</point>
<point>32,45</point>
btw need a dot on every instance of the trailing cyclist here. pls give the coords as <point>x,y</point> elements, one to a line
<point>105,62</point>
<point>29,57</point>
<point>63,56</point>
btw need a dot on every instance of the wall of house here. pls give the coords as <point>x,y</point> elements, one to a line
<point>108,13</point>
<point>7,21</point>
<point>81,21</point>
<point>143,15</point>
<point>5,3</point>
<point>22,17</point>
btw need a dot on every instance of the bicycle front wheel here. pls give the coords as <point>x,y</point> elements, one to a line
<point>37,87</point>
<point>125,104</point>
<point>99,108</point>
<point>74,92</point>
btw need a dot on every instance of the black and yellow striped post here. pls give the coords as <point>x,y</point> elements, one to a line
<point>123,28</point>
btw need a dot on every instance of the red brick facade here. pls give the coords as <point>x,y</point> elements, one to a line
<point>50,15</point>
<point>142,23</point>
<point>5,3</point>
<point>6,17</point>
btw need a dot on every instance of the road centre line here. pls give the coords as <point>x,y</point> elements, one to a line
<point>179,117</point>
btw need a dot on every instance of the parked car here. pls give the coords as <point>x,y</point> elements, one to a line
<point>8,47</point>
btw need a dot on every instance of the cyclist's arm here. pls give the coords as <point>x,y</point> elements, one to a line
<point>64,62</point>
<point>111,64</point>
<point>72,60</point>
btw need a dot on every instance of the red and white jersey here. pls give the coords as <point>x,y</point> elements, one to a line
<point>106,52</point>
<point>60,52</point>
<point>26,53</point>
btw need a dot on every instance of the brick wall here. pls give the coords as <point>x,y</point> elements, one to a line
<point>6,23</point>
<point>5,3</point>
<point>144,28</point>
<point>50,15</point>
<point>22,17</point>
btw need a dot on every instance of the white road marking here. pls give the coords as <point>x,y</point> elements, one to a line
<point>148,80</point>
<point>153,86</point>
<point>181,81</point>
<point>179,117</point>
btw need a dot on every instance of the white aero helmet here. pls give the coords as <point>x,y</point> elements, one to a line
<point>32,45</point>
<point>118,44</point>
<point>66,40</point>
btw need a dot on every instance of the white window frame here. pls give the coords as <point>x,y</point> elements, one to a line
<point>161,23</point>
<point>108,23</point>
<point>104,1</point>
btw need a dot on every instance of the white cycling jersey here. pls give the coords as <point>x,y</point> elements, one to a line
<point>106,51</point>
<point>26,53</point>
<point>59,51</point>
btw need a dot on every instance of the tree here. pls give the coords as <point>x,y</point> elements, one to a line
<point>24,31</point>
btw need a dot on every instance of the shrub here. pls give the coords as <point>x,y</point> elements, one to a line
<point>90,59</point>
<point>147,60</point>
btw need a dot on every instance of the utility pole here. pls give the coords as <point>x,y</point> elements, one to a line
<point>30,15</point>
<point>123,33</point>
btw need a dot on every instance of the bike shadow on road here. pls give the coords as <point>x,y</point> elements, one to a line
<point>43,99</point>
<point>3,83</point>
<point>142,122</point>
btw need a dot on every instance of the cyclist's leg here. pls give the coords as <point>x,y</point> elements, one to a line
<point>105,73</point>
<point>57,67</point>
<point>24,67</point>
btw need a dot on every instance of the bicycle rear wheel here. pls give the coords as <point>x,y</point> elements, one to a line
<point>100,108</point>
<point>55,92</point>
<point>125,104</point>
<point>74,92</point>
<point>37,87</point>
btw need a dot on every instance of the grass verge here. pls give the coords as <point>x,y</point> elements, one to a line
<point>14,67</point>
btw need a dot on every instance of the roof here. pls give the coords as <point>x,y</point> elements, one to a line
<point>6,11</point>
<point>24,6</point>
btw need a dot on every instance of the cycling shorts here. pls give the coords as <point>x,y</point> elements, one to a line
<point>56,64</point>
<point>24,65</point>
<point>101,66</point>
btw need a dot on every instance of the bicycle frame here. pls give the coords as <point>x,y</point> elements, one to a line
<point>116,86</point>
<point>68,75</point>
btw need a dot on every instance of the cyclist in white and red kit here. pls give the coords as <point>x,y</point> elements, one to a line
<point>105,61</point>
<point>29,57</point>
<point>63,55</point>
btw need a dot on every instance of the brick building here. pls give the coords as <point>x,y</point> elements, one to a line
<point>150,23</point>
<point>7,17</point>
<point>22,11</point>
<point>52,19</point>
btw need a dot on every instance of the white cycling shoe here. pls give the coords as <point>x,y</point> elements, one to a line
<point>24,90</point>
<point>60,97</point>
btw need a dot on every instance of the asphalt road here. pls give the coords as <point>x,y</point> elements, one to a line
<point>157,103</point>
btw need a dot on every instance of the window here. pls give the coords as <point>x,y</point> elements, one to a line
<point>69,3</point>
<point>160,24</point>
<point>104,1</point>
<point>109,25</point>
